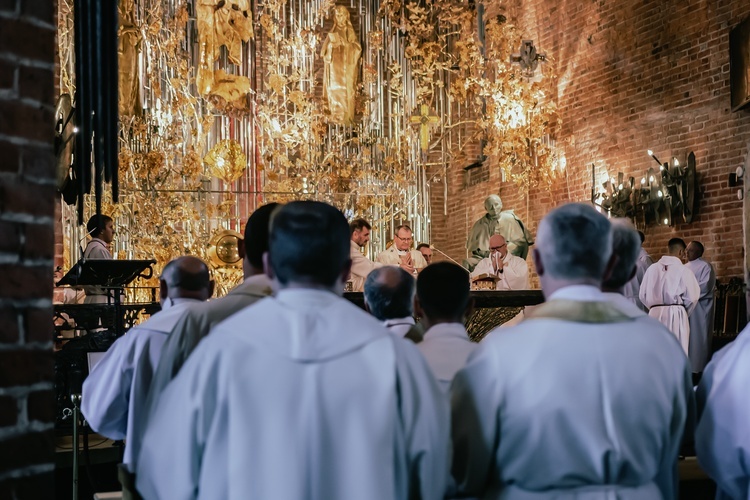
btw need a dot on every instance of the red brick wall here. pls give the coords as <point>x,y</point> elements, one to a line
<point>27,196</point>
<point>633,75</point>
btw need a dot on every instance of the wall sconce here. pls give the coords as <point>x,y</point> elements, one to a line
<point>735,179</point>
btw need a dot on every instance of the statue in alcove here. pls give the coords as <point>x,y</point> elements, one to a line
<point>128,51</point>
<point>341,51</point>
<point>227,23</point>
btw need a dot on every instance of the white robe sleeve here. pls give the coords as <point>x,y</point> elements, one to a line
<point>515,275</point>
<point>106,391</point>
<point>361,265</point>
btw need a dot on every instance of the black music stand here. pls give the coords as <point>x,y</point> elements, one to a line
<point>111,274</point>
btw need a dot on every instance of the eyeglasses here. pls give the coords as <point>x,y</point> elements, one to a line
<point>405,239</point>
<point>498,248</point>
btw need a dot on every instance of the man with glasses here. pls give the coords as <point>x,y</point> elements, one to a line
<point>511,271</point>
<point>399,254</point>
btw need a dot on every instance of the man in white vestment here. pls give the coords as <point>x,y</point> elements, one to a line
<point>389,296</point>
<point>633,287</point>
<point>702,318</point>
<point>671,292</point>
<point>426,251</point>
<point>399,254</point>
<point>722,441</point>
<point>361,265</point>
<point>579,400</point>
<point>101,228</point>
<point>197,322</point>
<point>115,392</point>
<point>511,271</point>
<point>301,395</point>
<point>443,303</point>
<point>625,246</point>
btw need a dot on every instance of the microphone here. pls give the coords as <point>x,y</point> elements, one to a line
<point>445,255</point>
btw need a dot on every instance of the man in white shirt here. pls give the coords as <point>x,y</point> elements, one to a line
<point>197,322</point>
<point>511,271</point>
<point>399,254</point>
<point>101,228</point>
<point>625,246</point>
<point>671,292</point>
<point>301,395</point>
<point>579,400</point>
<point>389,296</point>
<point>361,265</point>
<point>702,318</point>
<point>722,442</point>
<point>443,303</point>
<point>115,392</point>
<point>633,287</point>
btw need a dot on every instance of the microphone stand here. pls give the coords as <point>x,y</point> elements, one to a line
<point>445,255</point>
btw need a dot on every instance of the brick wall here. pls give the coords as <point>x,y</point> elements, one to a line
<point>633,75</point>
<point>27,196</point>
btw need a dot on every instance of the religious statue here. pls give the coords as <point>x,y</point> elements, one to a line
<point>227,23</point>
<point>497,221</point>
<point>341,50</point>
<point>128,51</point>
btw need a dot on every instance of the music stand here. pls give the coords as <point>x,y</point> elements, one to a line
<point>111,274</point>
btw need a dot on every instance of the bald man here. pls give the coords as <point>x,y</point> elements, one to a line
<point>115,391</point>
<point>511,271</point>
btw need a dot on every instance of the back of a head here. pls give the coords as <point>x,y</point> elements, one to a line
<point>626,245</point>
<point>443,291</point>
<point>575,242</point>
<point>389,293</point>
<point>309,243</point>
<point>96,224</point>
<point>185,275</point>
<point>256,234</point>
<point>675,246</point>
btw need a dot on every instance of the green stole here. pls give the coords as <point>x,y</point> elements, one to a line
<point>579,312</point>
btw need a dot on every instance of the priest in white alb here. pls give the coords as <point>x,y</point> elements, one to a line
<point>578,401</point>
<point>400,253</point>
<point>702,319</point>
<point>361,265</point>
<point>626,246</point>
<point>671,292</point>
<point>114,394</point>
<point>301,395</point>
<point>511,271</point>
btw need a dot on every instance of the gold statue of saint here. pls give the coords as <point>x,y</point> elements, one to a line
<point>227,23</point>
<point>340,52</point>
<point>128,50</point>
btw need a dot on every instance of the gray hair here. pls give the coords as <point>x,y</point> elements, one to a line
<point>626,245</point>
<point>389,293</point>
<point>575,241</point>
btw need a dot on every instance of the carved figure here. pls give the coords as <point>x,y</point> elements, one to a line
<point>128,51</point>
<point>341,51</point>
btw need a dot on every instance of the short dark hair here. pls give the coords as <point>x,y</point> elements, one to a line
<point>358,225</point>
<point>389,293</point>
<point>256,234</point>
<point>676,244</point>
<point>97,223</point>
<point>443,291</point>
<point>700,247</point>
<point>308,243</point>
<point>423,245</point>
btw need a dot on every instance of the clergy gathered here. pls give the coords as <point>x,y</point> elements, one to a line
<point>284,389</point>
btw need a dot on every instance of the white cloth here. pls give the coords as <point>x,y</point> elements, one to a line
<point>570,409</point>
<point>624,304</point>
<point>301,395</point>
<point>702,318</point>
<point>399,326</point>
<point>722,441</point>
<point>361,267</point>
<point>96,249</point>
<point>670,291</point>
<point>446,347</point>
<point>515,275</point>
<point>115,392</point>
<point>633,287</point>
<point>391,257</point>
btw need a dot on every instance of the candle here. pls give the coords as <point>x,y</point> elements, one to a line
<point>652,155</point>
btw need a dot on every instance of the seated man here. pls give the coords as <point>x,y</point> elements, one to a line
<point>443,303</point>
<point>115,392</point>
<point>301,395</point>
<point>579,400</point>
<point>511,271</point>
<point>389,296</point>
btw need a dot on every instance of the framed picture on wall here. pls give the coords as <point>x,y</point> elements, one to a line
<point>739,64</point>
